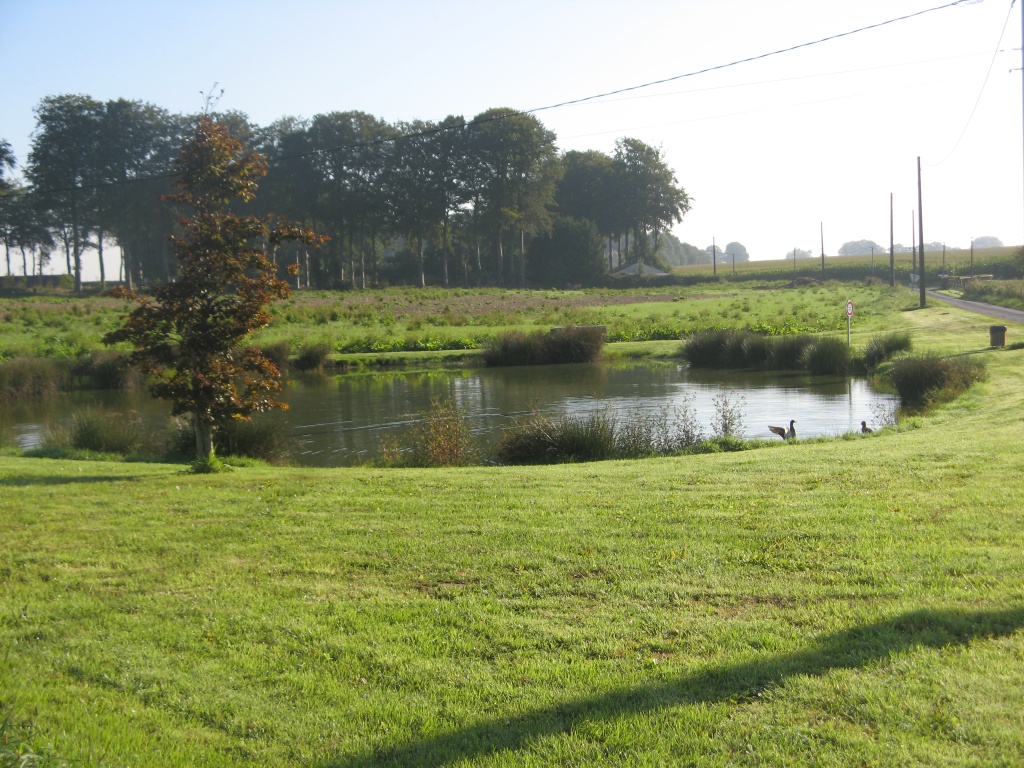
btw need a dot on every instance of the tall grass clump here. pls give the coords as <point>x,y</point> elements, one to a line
<point>106,369</point>
<point>789,352</point>
<point>98,432</point>
<point>706,349</point>
<point>571,344</point>
<point>547,439</point>
<point>513,348</point>
<point>885,347</point>
<point>440,438</point>
<point>266,439</point>
<point>598,435</point>
<point>929,379</point>
<point>313,357</point>
<point>728,417</point>
<point>32,377</point>
<point>828,356</point>
<point>731,348</point>
<point>277,353</point>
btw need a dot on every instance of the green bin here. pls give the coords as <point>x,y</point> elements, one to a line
<point>997,335</point>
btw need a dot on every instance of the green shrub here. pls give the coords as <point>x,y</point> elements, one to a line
<point>99,432</point>
<point>788,352</point>
<point>884,347</point>
<point>545,439</point>
<point>730,348</point>
<point>106,369</point>
<point>32,377</point>
<point>757,350</point>
<point>313,357</point>
<point>277,353</point>
<point>570,344</point>
<point>440,438</point>
<point>728,417</point>
<point>260,437</point>
<point>706,349</point>
<point>928,379</point>
<point>828,356</point>
<point>573,344</point>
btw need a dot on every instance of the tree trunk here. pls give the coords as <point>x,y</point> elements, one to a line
<point>76,245</point>
<point>103,269</point>
<point>522,259</point>
<point>501,261</point>
<point>444,250</point>
<point>204,437</point>
<point>419,250</point>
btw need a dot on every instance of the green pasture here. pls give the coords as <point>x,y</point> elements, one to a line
<point>855,601</point>
<point>436,321</point>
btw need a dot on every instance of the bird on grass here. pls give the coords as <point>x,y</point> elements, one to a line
<point>865,428</point>
<point>785,434</point>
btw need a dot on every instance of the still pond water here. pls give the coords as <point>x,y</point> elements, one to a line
<point>341,420</point>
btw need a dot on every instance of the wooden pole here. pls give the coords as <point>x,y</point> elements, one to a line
<point>892,251</point>
<point>913,244</point>
<point>714,257</point>
<point>920,235</point>
<point>821,225</point>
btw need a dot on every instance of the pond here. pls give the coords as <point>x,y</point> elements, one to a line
<point>341,420</point>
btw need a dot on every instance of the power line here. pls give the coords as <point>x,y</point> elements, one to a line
<point>511,113</point>
<point>751,58</point>
<point>981,91</point>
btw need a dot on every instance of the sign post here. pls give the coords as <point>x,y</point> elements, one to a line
<point>849,315</point>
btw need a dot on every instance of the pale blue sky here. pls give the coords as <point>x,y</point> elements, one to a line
<point>769,150</point>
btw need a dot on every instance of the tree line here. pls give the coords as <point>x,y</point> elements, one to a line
<point>485,201</point>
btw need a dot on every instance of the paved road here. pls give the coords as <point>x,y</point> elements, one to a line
<point>1002,313</point>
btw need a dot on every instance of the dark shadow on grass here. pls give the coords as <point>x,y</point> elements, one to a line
<point>849,649</point>
<point>26,480</point>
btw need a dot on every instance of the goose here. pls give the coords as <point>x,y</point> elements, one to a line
<point>783,432</point>
<point>865,428</point>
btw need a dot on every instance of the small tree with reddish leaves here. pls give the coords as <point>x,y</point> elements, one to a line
<point>188,335</point>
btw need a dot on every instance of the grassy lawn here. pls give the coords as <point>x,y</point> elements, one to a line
<point>834,603</point>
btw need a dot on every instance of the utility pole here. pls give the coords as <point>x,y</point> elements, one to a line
<point>892,251</point>
<point>714,258</point>
<point>920,233</point>
<point>913,245</point>
<point>821,224</point>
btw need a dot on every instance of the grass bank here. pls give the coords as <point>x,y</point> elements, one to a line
<point>833,603</point>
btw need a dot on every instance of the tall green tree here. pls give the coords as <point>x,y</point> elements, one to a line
<point>189,335</point>
<point>7,165</point>
<point>649,196</point>
<point>570,255</point>
<point>137,146</point>
<point>65,170</point>
<point>587,191</point>
<point>519,171</point>
<point>415,189</point>
<point>737,250</point>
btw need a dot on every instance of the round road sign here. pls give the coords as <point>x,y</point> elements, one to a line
<point>849,309</point>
